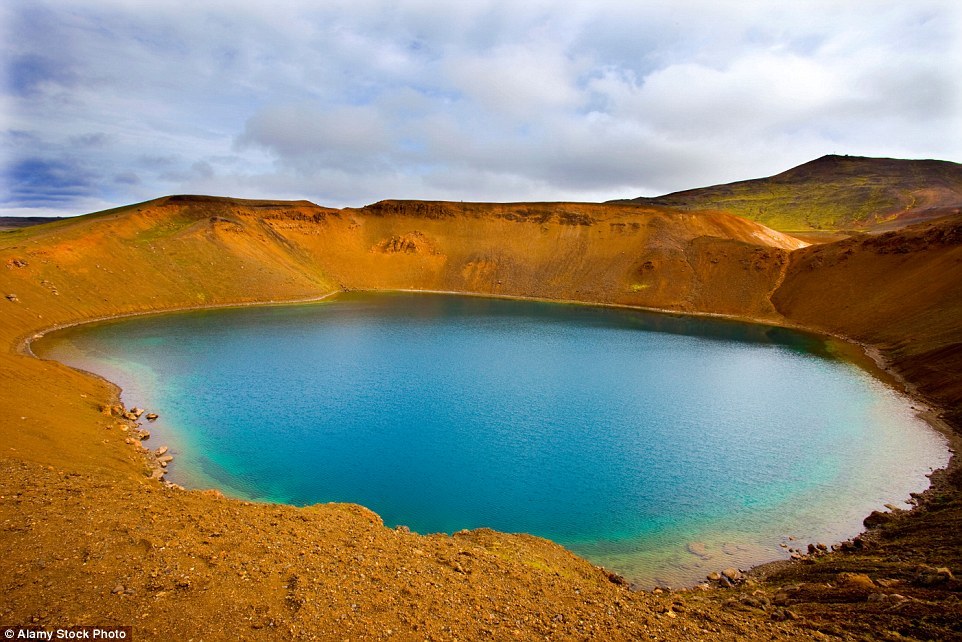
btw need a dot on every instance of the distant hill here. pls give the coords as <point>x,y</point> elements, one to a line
<point>17,222</point>
<point>834,193</point>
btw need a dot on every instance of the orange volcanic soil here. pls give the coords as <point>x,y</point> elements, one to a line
<point>91,536</point>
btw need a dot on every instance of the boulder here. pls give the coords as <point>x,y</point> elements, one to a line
<point>817,549</point>
<point>756,602</point>
<point>781,615</point>
<point>854,544</point>
<point>929,576</point>
<point>876,519</point>
<point>152,416</point>
<point>945,572</point>
<point>733,574</point>
<point>856,581</point>
<point>161,451</point>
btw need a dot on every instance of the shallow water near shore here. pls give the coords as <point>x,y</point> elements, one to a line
<point>661,447</point>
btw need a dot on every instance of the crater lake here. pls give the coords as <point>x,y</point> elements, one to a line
<point>662,447</point>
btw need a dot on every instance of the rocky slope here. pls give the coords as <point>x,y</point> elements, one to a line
<point>88,537</point>
<point>834,193</point>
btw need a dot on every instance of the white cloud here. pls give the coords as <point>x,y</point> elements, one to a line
<point>308,133</point>
<point>519,81</point>
<point>345,102</point>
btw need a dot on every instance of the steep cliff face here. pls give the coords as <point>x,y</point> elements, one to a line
<point>584,252</point>
<point>199,250</point>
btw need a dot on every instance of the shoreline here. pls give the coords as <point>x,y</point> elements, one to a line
<point>23,341</point>
<point>867,357</point>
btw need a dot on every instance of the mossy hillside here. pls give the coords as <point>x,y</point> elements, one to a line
<point>833,193</point>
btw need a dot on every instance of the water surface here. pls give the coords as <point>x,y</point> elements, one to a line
<point>626,436</point>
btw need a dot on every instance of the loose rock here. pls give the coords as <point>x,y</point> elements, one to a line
<point>856,581</point>
<point>928,576</point>
<point>733,574</point>
<point>781,615</point>
<point>876,519</point>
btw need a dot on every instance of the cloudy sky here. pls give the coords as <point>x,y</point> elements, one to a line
<point>108,102</point>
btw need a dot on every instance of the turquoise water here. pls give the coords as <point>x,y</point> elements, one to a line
<point>623,435</point>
